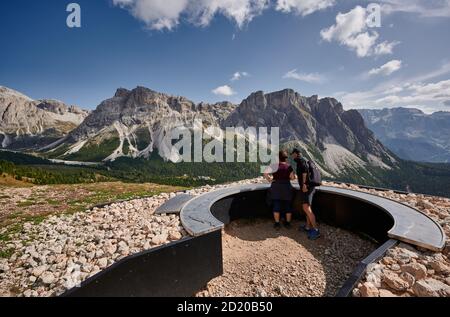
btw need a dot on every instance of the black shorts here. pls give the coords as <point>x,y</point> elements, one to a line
<point>307,198</point>
<point>282,206</point>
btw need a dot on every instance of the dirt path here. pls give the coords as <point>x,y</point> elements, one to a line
<point>259,261</point>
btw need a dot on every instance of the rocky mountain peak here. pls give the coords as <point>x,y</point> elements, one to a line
<point>60,108</point>
<point>121,92</point>
<point>31,124</point>
<point>133,123</point>
<point>410,133</point>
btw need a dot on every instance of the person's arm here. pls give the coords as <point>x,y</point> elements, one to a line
<point>303,175</point>
<point>292,176</point>
<point>304,186</point>
<point>268,177</point>
<point>268,173</point>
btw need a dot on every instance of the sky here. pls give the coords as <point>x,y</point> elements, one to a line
<point>216,50</point>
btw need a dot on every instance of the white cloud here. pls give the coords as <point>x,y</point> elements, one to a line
<point>351,30</point>
<point>441,88</point>
<point>387,69</point>
<point>428,91</point>
<point>224,91</point>
<point>309,78</point>
<point>385,48</point>
<point>239,75</point>
<point>416,94</point>
<point>424,9</point>
<point>241,11</point>
<point>429,97</point>
<point>156,14</point>
<point>394,90</point>
<point>442,70</point>
<point>303,7</point>
<point>166,14</point>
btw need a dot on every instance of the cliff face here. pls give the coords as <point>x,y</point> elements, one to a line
<point>321,123</point>
<point>412,134</point>
<point>32,124</point>
<point>134,123</point>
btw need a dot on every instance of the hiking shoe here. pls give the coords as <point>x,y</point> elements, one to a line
<point>287,225</point>
<point>313,234</point>
<point>303,228</point>
<point>277,226</point>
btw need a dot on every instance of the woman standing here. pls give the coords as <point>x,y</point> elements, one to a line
<point>280,175</point>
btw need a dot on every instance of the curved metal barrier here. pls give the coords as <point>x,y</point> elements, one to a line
<point>178,269</point>
<point>182,268</point>
<point>375,216</point>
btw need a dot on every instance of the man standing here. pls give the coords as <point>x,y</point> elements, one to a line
<point>307,192</point>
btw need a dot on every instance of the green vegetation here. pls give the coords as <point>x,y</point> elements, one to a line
<point>57,153</point>
<point>6,254</point>
<point>53,174</point>
<point>11,230</point>
<point>95,152</point>
<point>427,178</point>
<point>69,200</point>
<point>156,170</point>
<point>142,136</point>
<point>126,147</point>
<point>23,159</point>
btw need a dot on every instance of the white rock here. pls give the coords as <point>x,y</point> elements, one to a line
<point>159,239</point>
<point>123,248</point>
<point>431,288</point>
<point>48,278</point>
<point>175,235</point>
<point>39,270</point>
<point>102,263</point>
<point>369,290</point>
<point>4,267</point>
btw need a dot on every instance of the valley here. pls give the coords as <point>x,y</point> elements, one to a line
<point>124,139</point>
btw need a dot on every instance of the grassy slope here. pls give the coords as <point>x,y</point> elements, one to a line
<point>34,204</point>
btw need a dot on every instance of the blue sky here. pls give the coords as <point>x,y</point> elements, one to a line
<point>214,50</point>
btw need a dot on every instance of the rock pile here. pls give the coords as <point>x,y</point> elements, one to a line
<point>406,270</point>
<point>61,252</point>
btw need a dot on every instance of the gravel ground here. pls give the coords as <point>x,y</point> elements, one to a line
<point>260,261</point>
<point>63,251</point>
<point>407,271</point>
<point>48,258</point>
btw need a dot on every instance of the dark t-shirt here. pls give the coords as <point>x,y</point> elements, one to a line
<point>283,173</point>
<point>302,168</point>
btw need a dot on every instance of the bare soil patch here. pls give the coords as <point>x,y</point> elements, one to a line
<point>260,261</point>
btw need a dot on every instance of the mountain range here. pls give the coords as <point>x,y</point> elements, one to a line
<point>411,134</point>
<point>134,122</point>
<point>28,124</point>
<point>126,133</point>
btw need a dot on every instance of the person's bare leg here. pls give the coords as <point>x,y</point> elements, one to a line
<point>288,217</point>
<point>276,216</point>
<point>310,216</point>
<point>308,223</point>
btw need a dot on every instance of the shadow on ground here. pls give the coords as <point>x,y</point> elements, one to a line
<point>261,261</point>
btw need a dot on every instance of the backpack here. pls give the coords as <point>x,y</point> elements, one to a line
<point>314,175</point>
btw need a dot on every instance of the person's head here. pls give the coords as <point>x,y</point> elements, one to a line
<point>296,154</point>
<point>283,156</point>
